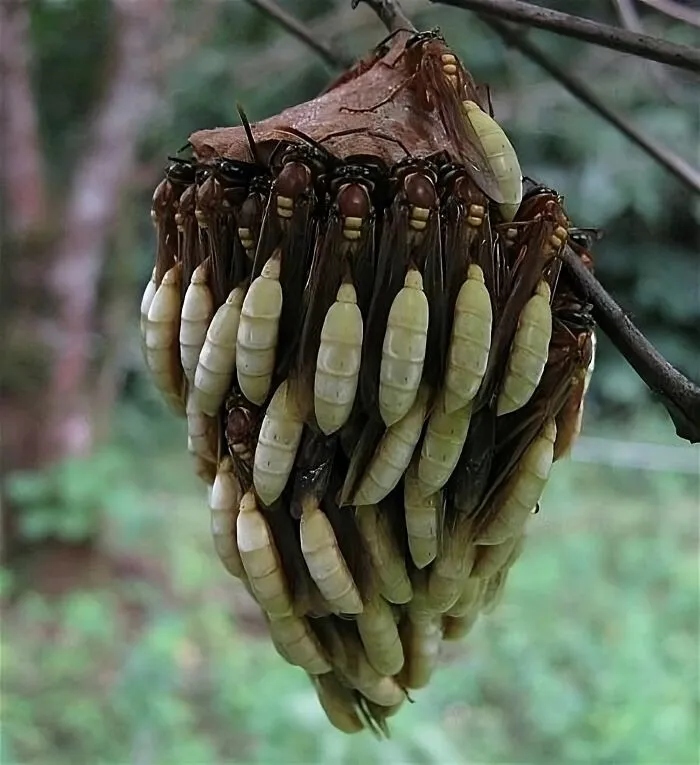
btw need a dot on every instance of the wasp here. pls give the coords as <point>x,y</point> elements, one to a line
<point>179,175</point>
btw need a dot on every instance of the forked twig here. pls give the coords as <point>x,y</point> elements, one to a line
<point>646,46</point>
<point>331,56</point>
<point>675,10</point>
<point>389,12</point>
<point>685,172</point>
<point>679,395</point>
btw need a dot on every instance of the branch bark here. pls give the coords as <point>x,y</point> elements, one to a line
<point>646,46</point>
<point>679,395</point>
<point>675,10</point>
<point>389,12</point>
<point>684,172</point>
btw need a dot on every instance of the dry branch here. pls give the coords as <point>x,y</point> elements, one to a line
<point>685,172</point>
<point>331,56</point>
<point>389,12</point>
<point>646,46</point>
<point>675,10</point>
<point>679,395</point>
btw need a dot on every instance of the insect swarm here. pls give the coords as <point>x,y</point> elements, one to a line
<point>390,360</point>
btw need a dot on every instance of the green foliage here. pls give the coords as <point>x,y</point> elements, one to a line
<point>65,501</point>
<point>591,657</point>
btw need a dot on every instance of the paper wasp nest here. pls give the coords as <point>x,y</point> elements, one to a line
<point>358,306</point>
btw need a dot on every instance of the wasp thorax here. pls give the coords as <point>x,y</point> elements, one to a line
<point>209,196</point>
<point>294,179</point>
<point>354,205</point>
<point>186,206</point>
<point>476,209</point>
<point>421,195</point>
<point>249,218</point>
<point>240,430</point>
<point>163,197</point>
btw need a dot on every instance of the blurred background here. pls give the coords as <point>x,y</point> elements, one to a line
<point>123,638</point>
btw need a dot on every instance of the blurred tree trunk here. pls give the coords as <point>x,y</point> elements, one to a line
<point>57,248</point>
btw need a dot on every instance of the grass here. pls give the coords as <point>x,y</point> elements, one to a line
<point>591,657</point>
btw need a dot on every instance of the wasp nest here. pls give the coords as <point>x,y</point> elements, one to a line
<point>358,305</point>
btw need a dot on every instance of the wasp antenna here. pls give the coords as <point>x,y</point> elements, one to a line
<point>185,160</point>
<point>249,134</point>
<point>382,43</point>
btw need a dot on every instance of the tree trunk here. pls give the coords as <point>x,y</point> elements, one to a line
<point>54,255</point>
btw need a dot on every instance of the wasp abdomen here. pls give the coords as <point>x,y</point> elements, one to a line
<point>422,518</point>
<point>528,355</point>
<point>326,563</point>
<point>442,447</point>
<point>393,454</point>
<point>523,490</point>
<point>450,572</point>
<point>297,644</point>
<point>202,431</point>
<point>380,636</point>
<point>338,703</point>
<point>162,330</point>
<point>148,294</point>
<point>260,559</point>
<point>501,157</point>
<point>338,361</point>
<point>278,442</point>
<point>217,359</point>
<point>470,343</point>
<point>224,503</point>
<point>197,312</point>
<point>389,564</point>
<point>257,332</point>
<point>421,635</point>
<point>403,352</point>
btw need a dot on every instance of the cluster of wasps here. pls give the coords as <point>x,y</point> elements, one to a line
<point>379,359</point>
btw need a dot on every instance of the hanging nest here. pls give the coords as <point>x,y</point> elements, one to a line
<point>359,307</point>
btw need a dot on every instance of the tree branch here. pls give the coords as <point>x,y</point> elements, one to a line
<point>682,56</point>
<point>630,19</point>
<point>687,174</point>
<point>679,395</point>
<point>675,10</point>
<point>90,214</point>
<point>332,57</point>
<point>21,167</point>
<point>389,12</point>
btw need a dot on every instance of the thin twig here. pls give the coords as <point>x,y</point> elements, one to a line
<point>333,58</point>
<point>685,172</point>
<point>389,12</point>
<point>679,395</point>
<point>629,18</point>
<point>258,67</point>
<point>675,10</point>
<point>682,56</point>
